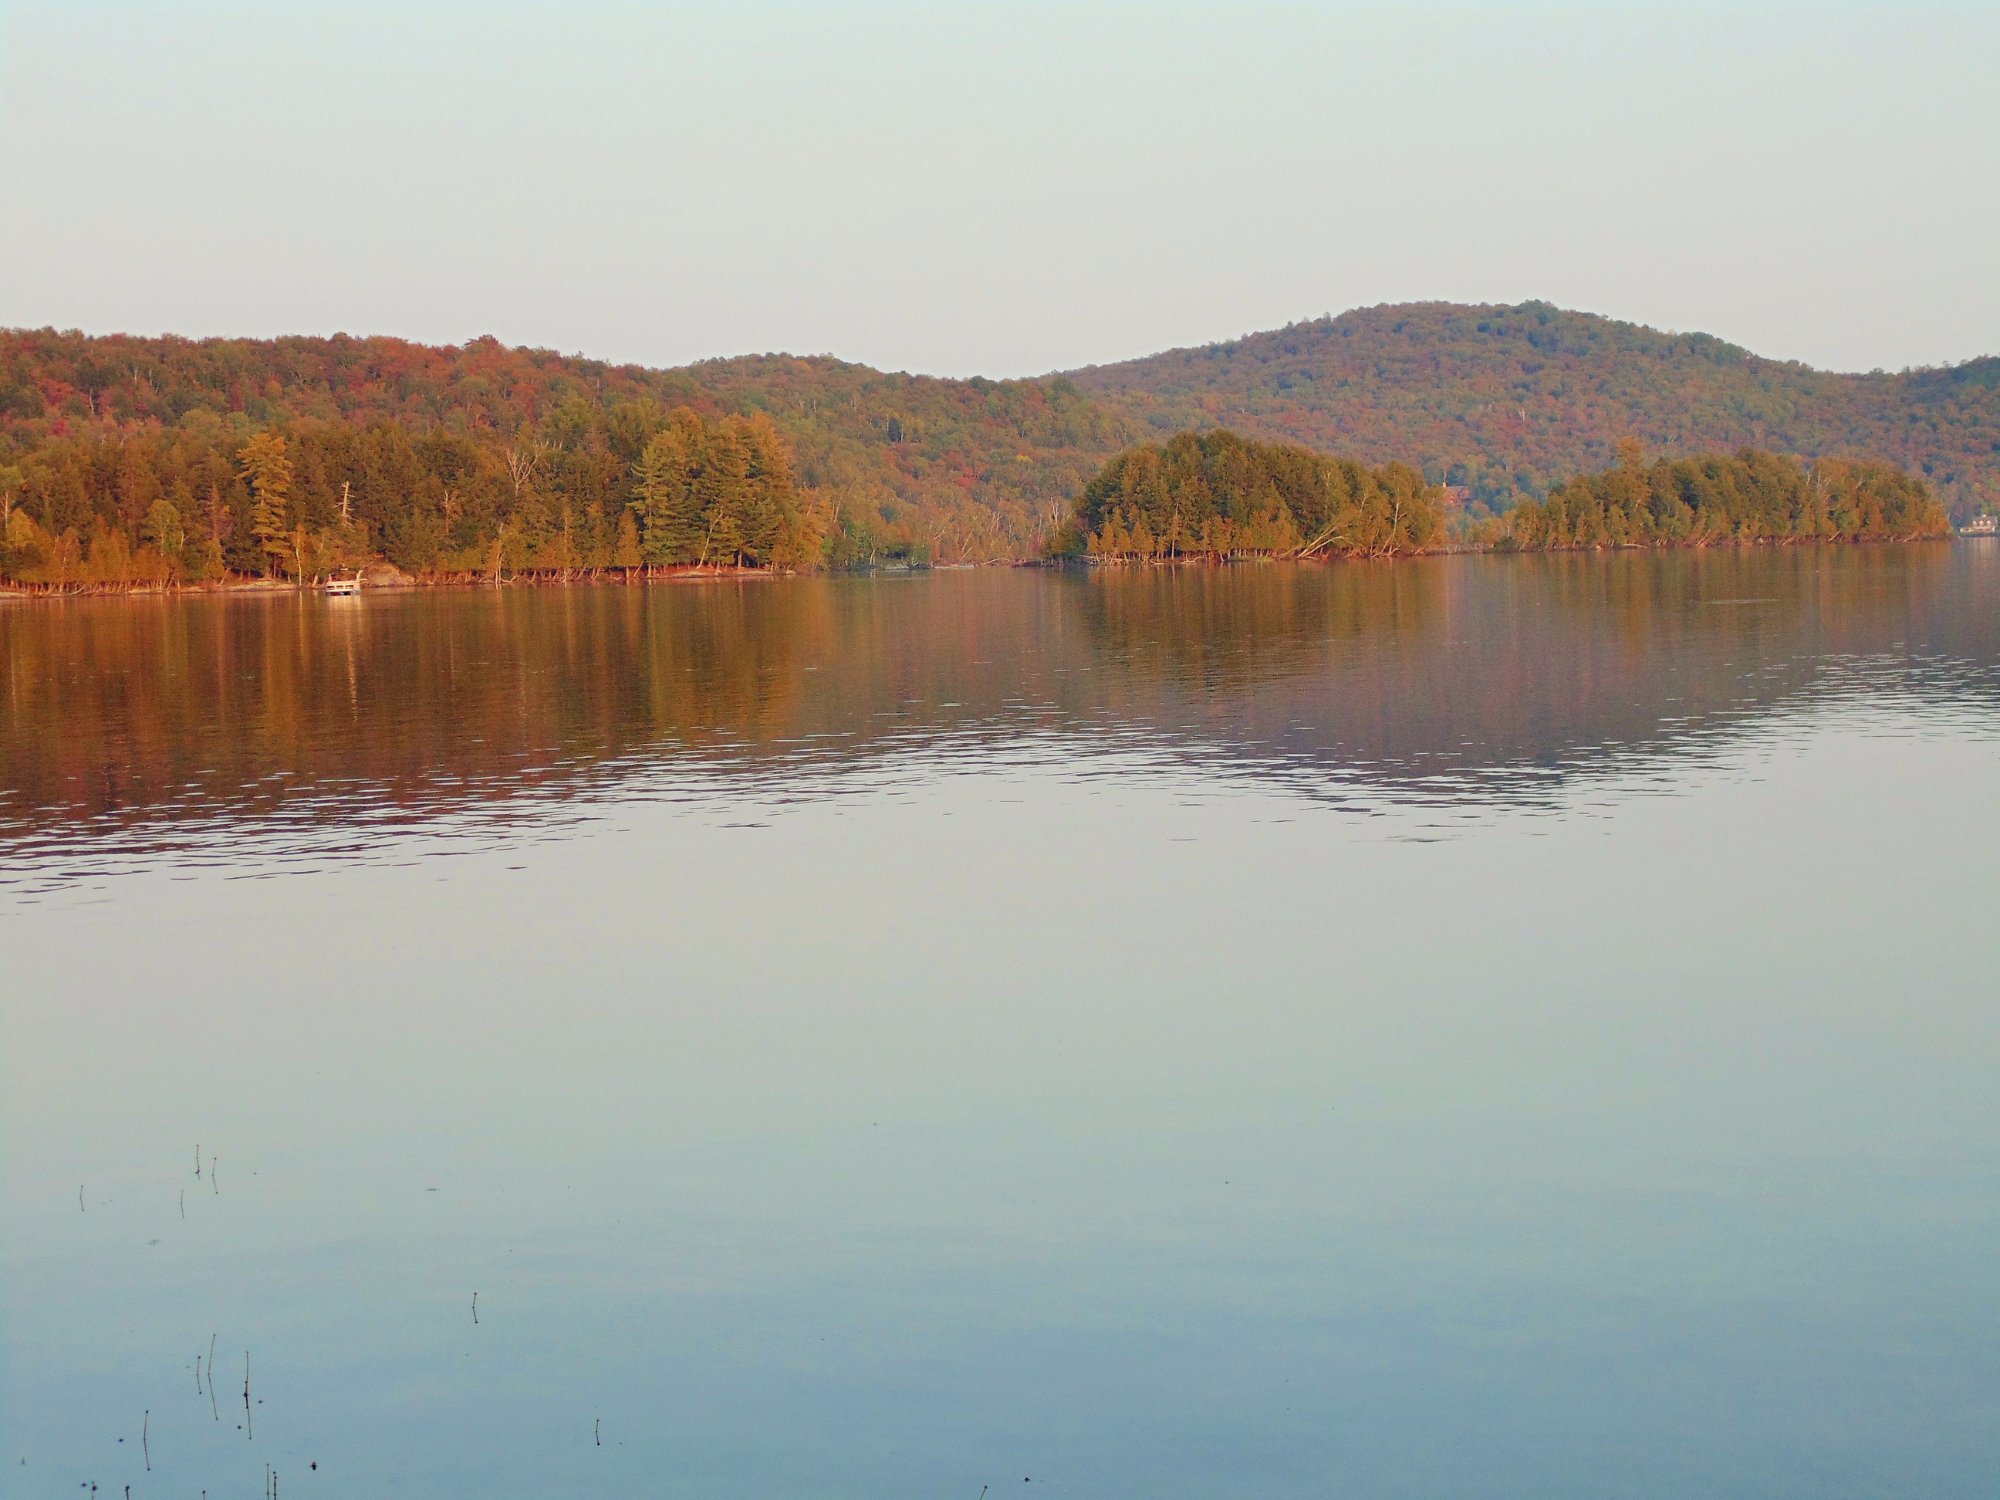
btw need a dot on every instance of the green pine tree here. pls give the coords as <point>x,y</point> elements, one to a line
<point>267,469</point>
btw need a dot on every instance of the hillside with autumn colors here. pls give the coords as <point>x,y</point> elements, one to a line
<point>142,460</point>
<point>1508,402</point>
<point>481,457</point>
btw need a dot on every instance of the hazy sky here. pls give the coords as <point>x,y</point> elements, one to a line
<point>997,189</point>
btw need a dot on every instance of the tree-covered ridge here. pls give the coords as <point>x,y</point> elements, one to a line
<point>1217,494</point>
<point>1748,496</point>
<point>482,457</point>
<point>961,470</point>
<point>1508,401</point>
<point>909,465</point>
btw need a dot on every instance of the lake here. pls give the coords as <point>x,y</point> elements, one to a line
<point>1502,1026</point>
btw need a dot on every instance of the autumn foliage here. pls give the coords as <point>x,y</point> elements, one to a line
<point>1217,494</point>
<point>128,460</point>
<point>1741,497</point>
<point>1508,402</point>
<point>468,458</point>
<point>632,487</point>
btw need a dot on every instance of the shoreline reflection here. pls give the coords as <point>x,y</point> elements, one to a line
<point>136,729</point>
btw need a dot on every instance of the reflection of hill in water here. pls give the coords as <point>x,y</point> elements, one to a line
<point>1380,678</point>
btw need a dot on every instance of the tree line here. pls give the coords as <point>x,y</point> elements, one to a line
<point>1747,496</point>
<point>587,490</point>
<point>914,467</point>
<point>1218,494</point>
<point>594,488</point>
<point>1502,404</point>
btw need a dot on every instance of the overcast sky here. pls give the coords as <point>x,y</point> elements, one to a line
<point>997,189</point>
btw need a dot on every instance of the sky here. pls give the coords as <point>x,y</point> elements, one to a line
<point>997,189</point>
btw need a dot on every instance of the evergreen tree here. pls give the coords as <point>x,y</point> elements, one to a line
<point>723,492</point>
<point>267,469</point>
<point>664,493</point>
<point>165,533</point>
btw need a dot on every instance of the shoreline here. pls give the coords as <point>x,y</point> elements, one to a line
<point>401,583</point>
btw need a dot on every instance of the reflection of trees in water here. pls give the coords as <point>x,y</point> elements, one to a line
<point>439,701</point>
<point>1474,664</point>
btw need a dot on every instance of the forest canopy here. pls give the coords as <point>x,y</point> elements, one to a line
<point>913,467</point>
<point>588,490</point>
<point>1217,494</point>
<point>124,458</point>
<point>1749,496</point>
<point>1507,402</point>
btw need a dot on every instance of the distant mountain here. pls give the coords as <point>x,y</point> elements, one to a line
<point>1509,400</point>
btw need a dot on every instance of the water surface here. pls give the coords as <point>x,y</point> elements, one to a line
<point>1502,1026</point>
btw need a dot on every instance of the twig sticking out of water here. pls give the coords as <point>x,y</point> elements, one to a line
<point>197,1374</point>
<point>214,1410</point>
<point>597,1431</point>
<point>248,1434</point>
<point>184,1203</point>
<point>79,1197</point>
<point>197,1158</point>
<point>211,1176</point>
<point>145,1441</point>
<point>475,1307</point>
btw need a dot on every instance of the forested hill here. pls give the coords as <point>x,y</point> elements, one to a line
<point>949,469</point>
<point>1510,401</point>
<point>446,455</point>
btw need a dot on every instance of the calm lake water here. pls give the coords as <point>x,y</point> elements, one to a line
<point>1483,1026</point>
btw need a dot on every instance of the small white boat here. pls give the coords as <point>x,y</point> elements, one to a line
<point>335,584</point>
